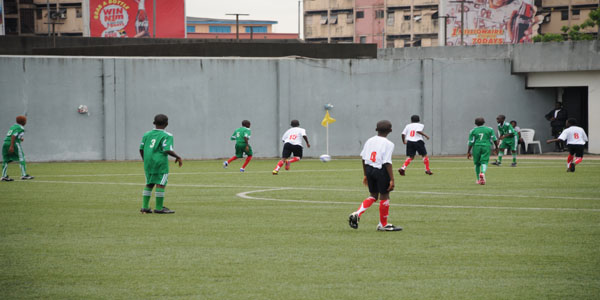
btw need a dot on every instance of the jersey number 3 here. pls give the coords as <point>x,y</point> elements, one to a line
<point>373,156</point>
<point>152,142</point>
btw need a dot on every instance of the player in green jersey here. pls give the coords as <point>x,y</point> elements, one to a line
<point>509,139</point>
<point>479,141</point>
<point>12,151</point>
<point>241,136</point>
<point>156,145</point>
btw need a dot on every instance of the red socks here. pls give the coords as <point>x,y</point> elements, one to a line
<point>578,160</point>
<point>248,159</point>
<point>231,159</point>
<point>295,159</point>
<point>384,211</point>
<point>366,204</point>
<point>406,163</point>
<point>279,164</point>
<point>426,162</point>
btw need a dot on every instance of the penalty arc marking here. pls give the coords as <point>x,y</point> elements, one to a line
<point>246,195</point>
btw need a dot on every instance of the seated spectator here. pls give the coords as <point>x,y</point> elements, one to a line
<point>518,130</point>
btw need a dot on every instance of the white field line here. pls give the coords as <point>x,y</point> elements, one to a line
<point>267,188</point>
<point>294,171</point>
<point>244,195</point>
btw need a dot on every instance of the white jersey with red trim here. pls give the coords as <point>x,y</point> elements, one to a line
<point>377,152</point>
<point>410,132</point>
<point>574,135</point>
<point>294,136</point>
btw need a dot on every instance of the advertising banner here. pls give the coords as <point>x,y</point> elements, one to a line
<point>490,21</point>
<point>134,18</point>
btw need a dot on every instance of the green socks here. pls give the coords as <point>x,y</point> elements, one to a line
<point>500,153</point>
<point>483,168</point>
<point>146,194</point>
<point>477,170</point>
<point>160,198</point>
<point>514,157</point>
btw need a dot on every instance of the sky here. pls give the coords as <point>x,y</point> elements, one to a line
<point>285,12</point>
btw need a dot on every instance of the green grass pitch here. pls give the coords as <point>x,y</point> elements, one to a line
<point>75,232</point>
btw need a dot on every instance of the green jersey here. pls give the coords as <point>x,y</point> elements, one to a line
<point>482,136</point>
<point>239,135</point>
<point>506,128</point>
<point>17,131</point>
<point>155,144</point>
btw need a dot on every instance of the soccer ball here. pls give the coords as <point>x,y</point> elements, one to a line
<point>325,158</point>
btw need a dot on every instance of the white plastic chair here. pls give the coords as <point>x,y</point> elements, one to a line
<point>527,135</point>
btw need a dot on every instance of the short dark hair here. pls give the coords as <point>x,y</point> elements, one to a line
<point>21,120</point>
<point>572,121</point>
<point>161,120</point>
<point>245,123</point>
<point>479,121</point>
<point>415,118</point>
<point>384,126</point>
<point>295,123</point>
<point>513,121</point>
<point>503,117</point>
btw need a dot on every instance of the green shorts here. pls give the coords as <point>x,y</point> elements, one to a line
<point>17,155</point>
<point>508,143</point>
<point>481,155</point>
<point>160,179</point>
<point>241,149</point>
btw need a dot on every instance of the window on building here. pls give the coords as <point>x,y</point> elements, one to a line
<point>256,29</point>
<point>406,17</point>
<point>575,13</point>
<point>323,19</point>
<point>27,20</point>
<point>333,19</point>
<point>191,28</point>
<point>219,29</point>
<point>363,39</point>
<point>360,14</point>
<point>379,14</point>
<point>78,13</point>
<point>390,19</point>
<point>564,15</point>
<point>349,18</point>
<point>39,14</point>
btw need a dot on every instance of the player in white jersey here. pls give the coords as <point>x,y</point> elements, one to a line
<point>575,138</point>
<point>292,140</point>
<point>378,176</point>
<point>412,137</point>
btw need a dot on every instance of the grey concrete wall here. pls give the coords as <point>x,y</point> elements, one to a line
<point>207,98</point>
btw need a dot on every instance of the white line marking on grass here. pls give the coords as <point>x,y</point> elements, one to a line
<point>319,189</point>
<point>245,195</point>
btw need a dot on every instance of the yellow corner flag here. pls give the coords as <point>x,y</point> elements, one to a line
<point>327,120</point>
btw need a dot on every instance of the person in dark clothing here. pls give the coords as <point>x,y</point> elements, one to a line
<point>557,117</point>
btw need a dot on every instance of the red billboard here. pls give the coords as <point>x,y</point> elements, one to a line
<point>135,18</point>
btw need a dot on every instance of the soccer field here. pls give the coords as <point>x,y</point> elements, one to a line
<point>75,232</point>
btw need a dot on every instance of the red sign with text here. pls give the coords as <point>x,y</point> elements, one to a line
<point>134,18</point>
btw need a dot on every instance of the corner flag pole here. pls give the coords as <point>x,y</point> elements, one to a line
<point>327,139</point>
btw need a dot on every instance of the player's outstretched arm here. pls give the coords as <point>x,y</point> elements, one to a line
<point>178,158</point>
<point>552,141</point>
<point>423,134</point>
<point>496,149</point>
<point>307,143</point>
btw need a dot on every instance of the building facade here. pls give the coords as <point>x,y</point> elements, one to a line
<point>30,17</point>
<point>413,23</point>
<point>208,28</point>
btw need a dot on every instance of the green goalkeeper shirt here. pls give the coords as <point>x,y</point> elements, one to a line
<point>482,136</point>
<point>155,144</point>
<point>239,135</point>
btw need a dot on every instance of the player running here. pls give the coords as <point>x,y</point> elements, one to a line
<point>479,140</point>
<point>412,137</point>
<point>156,145</point>
<point>292,140</point>
<point>241,137</point>
<point>575,138</point>
<point>378,176</point>
<point>12,151</point>
<point>509,139</point>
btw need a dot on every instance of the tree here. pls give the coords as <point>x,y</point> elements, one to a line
<point>574,32</point>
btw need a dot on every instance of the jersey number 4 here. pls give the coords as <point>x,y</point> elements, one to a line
<point>373,156</point>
